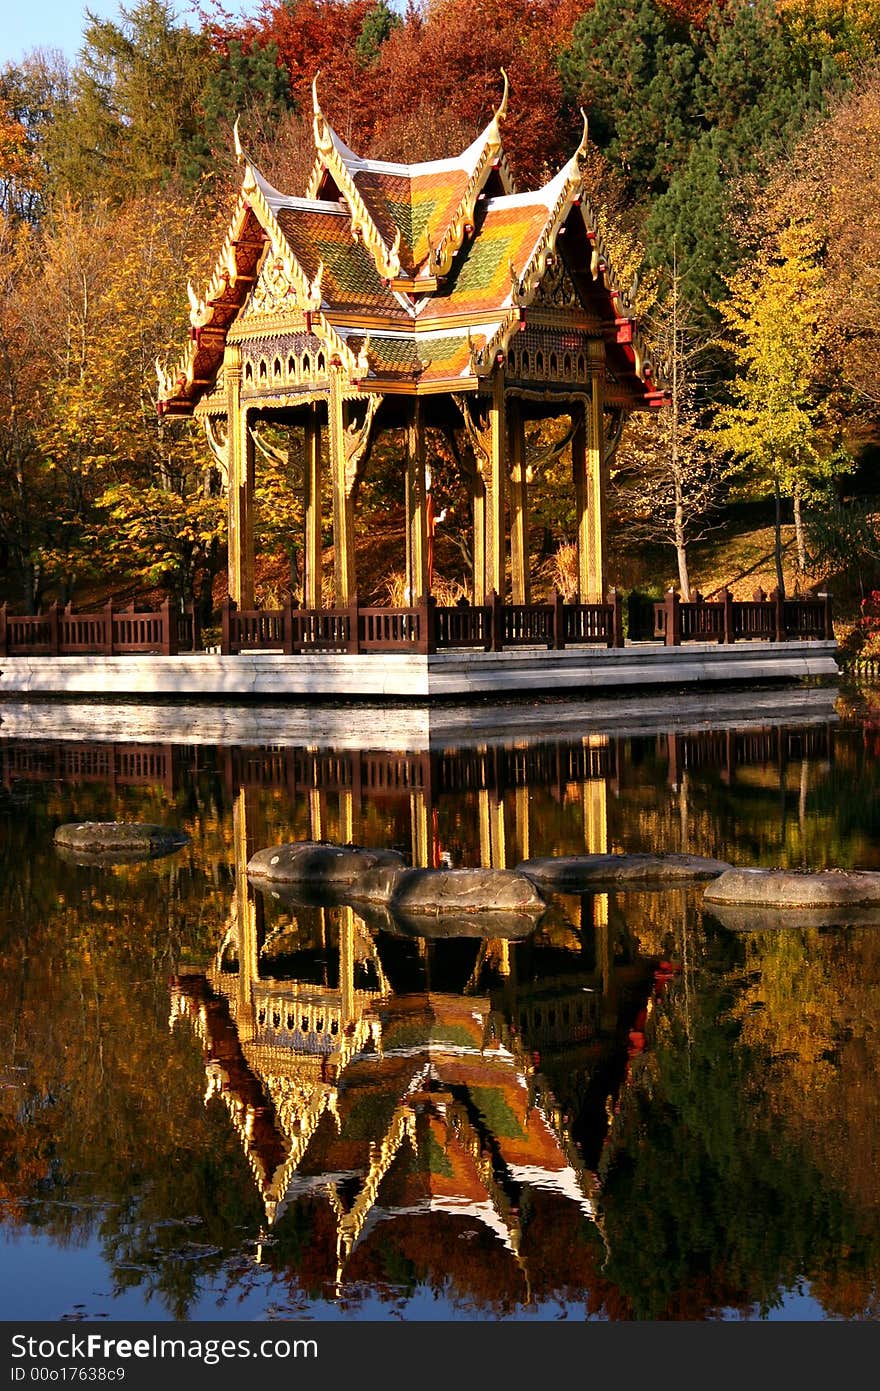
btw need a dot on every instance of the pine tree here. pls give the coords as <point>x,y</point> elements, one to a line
<point>135,109</point>
<point>632,67</point>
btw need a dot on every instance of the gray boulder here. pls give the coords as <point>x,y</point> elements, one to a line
<point>742,917</point>
<point>455,891</point>
<point>785,888</point>
<point>317,863</point>
<point>424,892</point>
<point>582,873</point>
<point>116,842</point>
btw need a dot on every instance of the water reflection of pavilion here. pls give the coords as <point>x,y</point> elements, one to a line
<point>381,775</point>
<point>394,1080</point>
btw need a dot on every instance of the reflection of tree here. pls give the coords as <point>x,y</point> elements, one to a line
<point>84,955</point>
<point>715,1193</point>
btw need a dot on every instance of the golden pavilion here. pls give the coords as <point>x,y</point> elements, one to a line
<point>414,297</point>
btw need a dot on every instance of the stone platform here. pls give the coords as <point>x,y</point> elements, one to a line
<point>411,677</point>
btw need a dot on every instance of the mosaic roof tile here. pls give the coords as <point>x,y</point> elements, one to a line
<point>420,206</point>
<point>480,280</point>
<point>428,359</point>
<point>350,280</point>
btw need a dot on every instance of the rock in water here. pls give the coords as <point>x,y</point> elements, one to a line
<point>116,842</point>
<point>317,863</point>
<point>457,891</point>
<point>580,873</point>
<point>785,888</point>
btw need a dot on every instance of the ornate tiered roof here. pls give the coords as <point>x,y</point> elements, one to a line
<point>411,279</point>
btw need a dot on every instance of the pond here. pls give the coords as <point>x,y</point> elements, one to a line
<point>222,1104</point>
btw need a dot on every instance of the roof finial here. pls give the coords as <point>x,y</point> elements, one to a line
<point>323,137</point>
<point>502,109</point>
<point>581,150</point>
<point>239,152</point>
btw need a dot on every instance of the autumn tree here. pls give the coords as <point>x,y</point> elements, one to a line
<point>28,503</point>
<point>832,181</point>
<point>666,472</point>
<point>100,300</point>
<point>775,427</point>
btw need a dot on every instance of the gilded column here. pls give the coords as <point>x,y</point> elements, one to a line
<point>519,505</point>
<point>479,516</point>
<point>346,963</point>
<point>420,820</point>
<point>496,530</point>
<point>582,518</point>
<point>343,523</point>
<point>312,481</point>
<point>241,485</point>
<point>416,509</point>
<point>596,469</point>
<point>245,914</point>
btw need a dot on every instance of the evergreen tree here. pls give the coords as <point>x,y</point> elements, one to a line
<point>693,216</point>
<point>135,109</point>
<point>632,67</point>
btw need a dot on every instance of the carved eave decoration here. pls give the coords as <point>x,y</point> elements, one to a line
<point>491,158</point>
<point>331,160</point>
<point>566,193</point>
<point>253,234</point>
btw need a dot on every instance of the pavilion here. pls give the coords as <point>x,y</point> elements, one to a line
<point>421,297</point>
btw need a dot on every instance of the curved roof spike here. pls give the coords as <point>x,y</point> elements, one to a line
<point>501,111</point>
<point>581,150</point>
<point>320,126</point>
<point>239,152</point>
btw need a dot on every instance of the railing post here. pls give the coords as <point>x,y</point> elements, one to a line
<point>170,644</point>
<point>779,603</point>
<point>496,622</point>
<point>4,631</point>
<point>727,600</point>
<point>54,634</point>
<point>429,618</point>
<point>226,611</point>
<point>616,639</point>
<point>108,629</point>
<point>826,610</point>
<point>287,626</point>
<point>353,626</point>
<point>558,620</point>
<point>673,619</point>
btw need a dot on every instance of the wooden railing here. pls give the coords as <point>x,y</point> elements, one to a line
<point>424,628</point>
<point>770,618</point>
<point>107,631</point>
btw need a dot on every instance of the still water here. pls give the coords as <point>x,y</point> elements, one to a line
<point>220,1104</point>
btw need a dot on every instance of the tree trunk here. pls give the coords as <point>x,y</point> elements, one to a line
<point>683,578</point>
<point>780,579</point>
<point>799,533</point>
<point>681,543</point>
